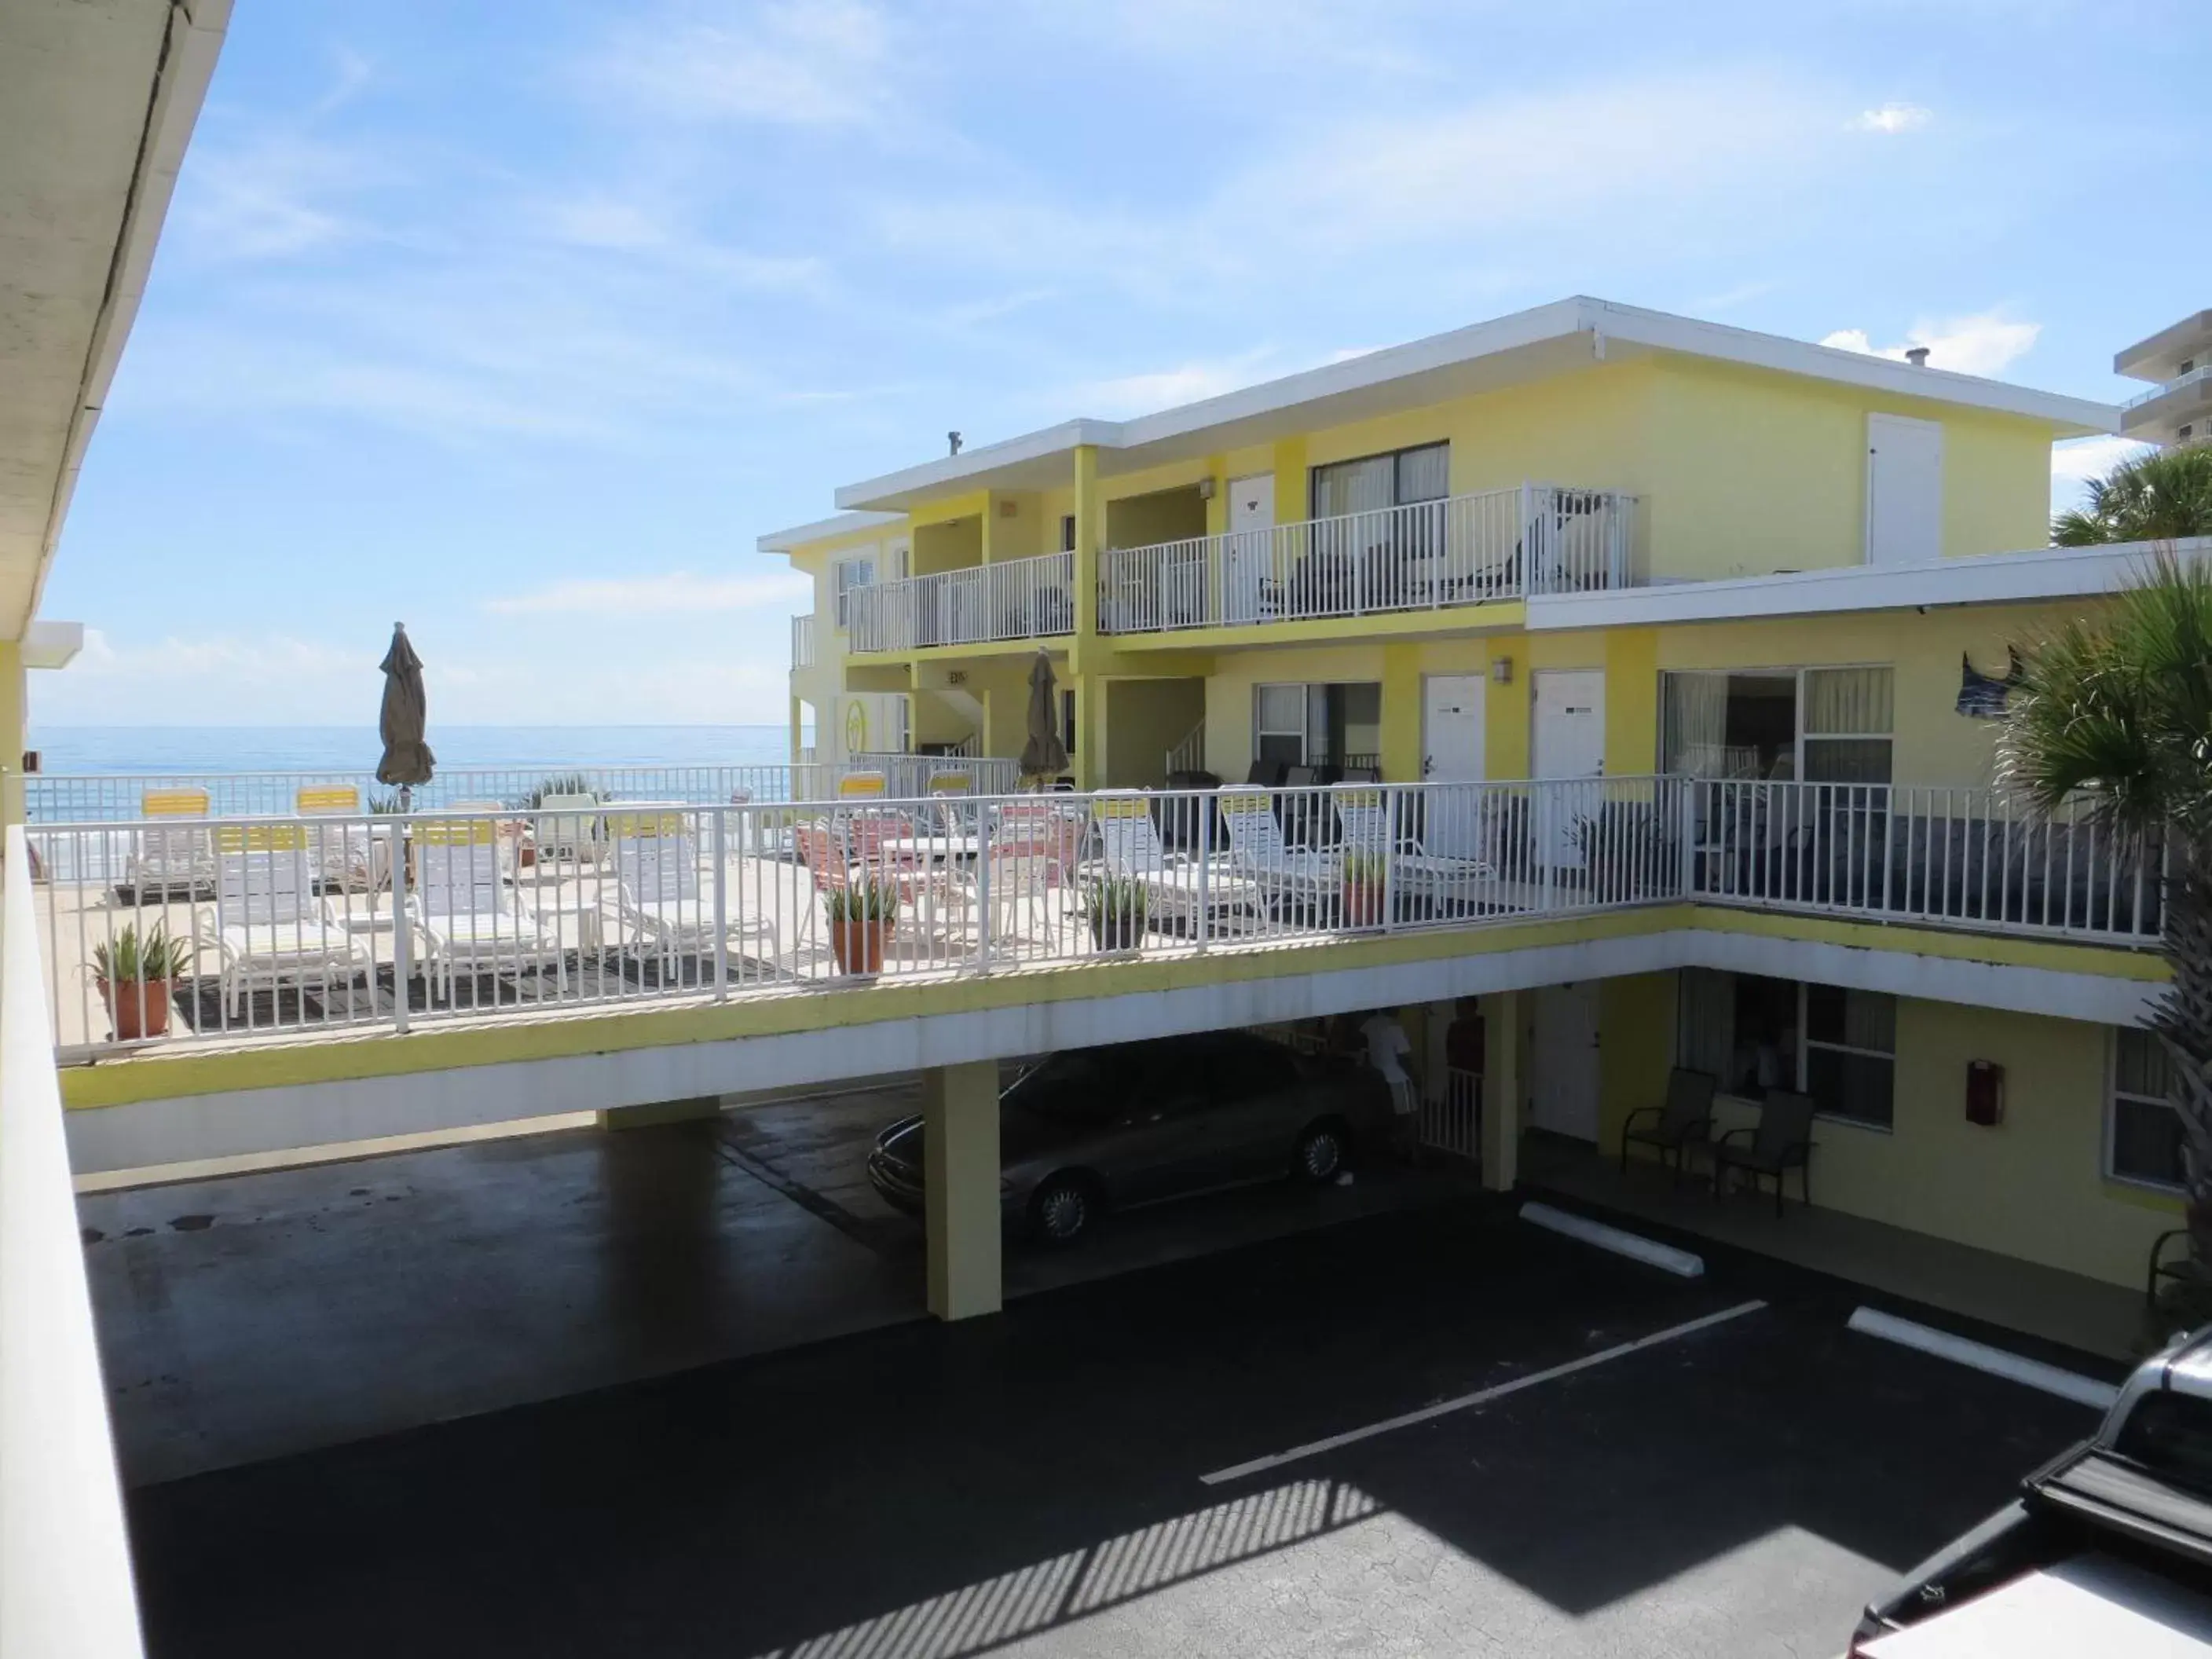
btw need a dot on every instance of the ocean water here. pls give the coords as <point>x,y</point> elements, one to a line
<point>104,750</point>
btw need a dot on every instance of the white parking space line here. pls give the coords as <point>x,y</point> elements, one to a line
<point>1651,1252</point>
<point>1480,1397</point>
<point>1997,1362</point>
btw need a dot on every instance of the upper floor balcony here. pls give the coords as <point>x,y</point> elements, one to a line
<point>1010,600</point>
<point>1457,551</point>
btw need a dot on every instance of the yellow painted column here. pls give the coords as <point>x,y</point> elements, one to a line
<point>1631,701</point>
<point>1505,710</point>
<point>1217,505</point>
<point>960,1166</point>
<point>798,729</point>
<point>1501,1091</point>
<point>1401,714</point>
<point>15,738</point>
<point>1086,543</point>
<point>1090,655</point>
<point>1291,500</point>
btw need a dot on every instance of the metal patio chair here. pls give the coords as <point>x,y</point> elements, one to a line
<point>1782,1140</point>
<point>1685,1120</point>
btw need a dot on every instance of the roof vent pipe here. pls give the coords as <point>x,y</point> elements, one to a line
<point>1917,356</point>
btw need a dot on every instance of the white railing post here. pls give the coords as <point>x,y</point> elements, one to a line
<point>1205,924</point>
<point>1531,582</point>
<point>402,938</point>
<point>721,904</point>
<point>986,829</point>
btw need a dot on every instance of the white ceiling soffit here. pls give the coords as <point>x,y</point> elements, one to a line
<point>1529,345</point>
<point>97,103</point>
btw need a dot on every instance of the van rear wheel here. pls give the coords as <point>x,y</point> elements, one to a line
<point>1321,1155</point>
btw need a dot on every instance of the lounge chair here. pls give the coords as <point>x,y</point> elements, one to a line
<point>1783,1139</point>
<point>568,826</point>
<point>267,927</point>
<point>1684,1121</point>
<point>862,785</point>
<point>351,856</point>
<point>468,920</point>
<point>167,857</point>
<point>659,906</point>
<point>1302,875</point>
<point>1130,849</point>
<point>1363,817</point>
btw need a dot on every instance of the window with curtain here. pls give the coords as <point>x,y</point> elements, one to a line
<point>1693,725</point>
<point>1849,721</point>
<point>2144,1133</point>
<point>847,575</point>
<point>1756,1034</point>
<point>1380,480</point>
<point>1279,724</point>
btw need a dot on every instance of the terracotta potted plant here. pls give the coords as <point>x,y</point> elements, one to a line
<point>1363,878</point>
<point>1117,907</point>
<point>134,971</point>
<point>863,915</point>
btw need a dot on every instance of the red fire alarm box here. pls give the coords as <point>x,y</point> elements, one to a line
<point>1984,1093</point>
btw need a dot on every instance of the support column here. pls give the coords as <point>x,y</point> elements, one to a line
<point>1401,714</point>
<point>960,1164</point>
<point>1091,655</point>
<point>1501,1090</point>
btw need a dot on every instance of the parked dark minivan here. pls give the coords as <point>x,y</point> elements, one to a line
<point>1136,1123</point>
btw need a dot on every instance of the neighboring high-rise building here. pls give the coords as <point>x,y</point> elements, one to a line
<point>2178,361</point>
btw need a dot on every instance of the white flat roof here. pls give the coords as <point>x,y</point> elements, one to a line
<point>2148,360</point>
<point>799,535</point>
<point>1526,346</point>
<point>2054,573</point>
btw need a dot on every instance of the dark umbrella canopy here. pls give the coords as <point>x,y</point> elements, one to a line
<point>407,759</point>
<point>1043,755</point>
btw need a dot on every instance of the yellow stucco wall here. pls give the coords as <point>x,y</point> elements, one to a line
<point>2031,1188</point>
<point>1144,720</point>
<point>1751,472</point>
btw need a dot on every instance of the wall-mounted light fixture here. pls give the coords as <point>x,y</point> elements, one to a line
<point>1205,487</point>
<point>1501,669</point>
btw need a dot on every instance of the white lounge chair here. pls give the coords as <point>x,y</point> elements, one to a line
<point>568,826</point>
<point>353,855</point>
<point>171,857</point>
<point>659,906</point>
<point>1176,886</point>
<point>467,919</point>
<point>1363,818</point>
<point>266,926</point>
<point>1257,849</point>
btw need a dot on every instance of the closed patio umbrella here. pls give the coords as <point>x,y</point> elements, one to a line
<point>1043,755</point>
<point>407,759</point>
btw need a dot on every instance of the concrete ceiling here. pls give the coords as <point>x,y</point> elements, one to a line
<point>97,101</point>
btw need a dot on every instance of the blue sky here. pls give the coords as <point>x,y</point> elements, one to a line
<point>521,323</point>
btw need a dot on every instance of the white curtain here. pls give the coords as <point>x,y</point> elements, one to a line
<point>1849,701</point>
<point>1706,1030</point>
<point>1694,726</point>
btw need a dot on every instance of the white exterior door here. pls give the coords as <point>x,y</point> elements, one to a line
<point>1246,553</point>
<point>1452,752</point>
<point>1563,1060</point>
<point>1903,489</point>
<point>1569,743</point>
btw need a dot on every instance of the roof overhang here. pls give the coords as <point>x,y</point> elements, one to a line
<point>823,530</point>
<point>2153,359</point>
<point>51,644</point>
<point>1529,345</point>
<point>97,102</point>
<point>2055,573</point>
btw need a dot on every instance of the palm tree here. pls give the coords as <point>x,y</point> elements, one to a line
<point>2157,497</point>
<point>2117,709</point>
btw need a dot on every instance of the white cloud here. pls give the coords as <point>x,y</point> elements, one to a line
<point>2093,458</point>
<point>805,63</point>
<point>1982,344</point>
<point>274,197</point>
<point>1893,118</point>
<point>678,593</point>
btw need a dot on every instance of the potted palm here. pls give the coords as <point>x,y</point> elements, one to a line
<point>134,971</point>
<point>863,915</point>
<point>1117,908</point>
<point>1362,876</point>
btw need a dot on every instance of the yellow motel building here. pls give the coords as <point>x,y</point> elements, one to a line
<point>1592,540</point>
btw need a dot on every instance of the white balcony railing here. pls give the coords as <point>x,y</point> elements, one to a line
<point>295,925</point>
<point>1461,550</point>
<point>2198,376</point>
<point>980,605</point>
<point>1962,857</point>
<point>802,640</point>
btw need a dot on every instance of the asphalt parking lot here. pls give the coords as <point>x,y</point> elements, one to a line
<point>1037,1483</point>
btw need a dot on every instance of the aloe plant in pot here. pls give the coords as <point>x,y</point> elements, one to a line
<point>1117,907</point>
<point>863,915</point>
<point>134,970</point>
<point>1363,876</point>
